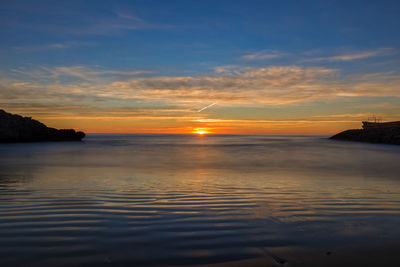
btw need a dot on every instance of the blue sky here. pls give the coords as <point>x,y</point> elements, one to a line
<point>250,57</point>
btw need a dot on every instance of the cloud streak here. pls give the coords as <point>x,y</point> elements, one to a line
<point>77,20</point>
<point>356,55</point>
<point>94,75</point>
<point>52,46</point>
<point>264,55</point>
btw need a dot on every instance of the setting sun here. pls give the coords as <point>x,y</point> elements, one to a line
<point>201,131</point>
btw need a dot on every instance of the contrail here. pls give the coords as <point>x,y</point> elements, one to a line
<point>200,110</point>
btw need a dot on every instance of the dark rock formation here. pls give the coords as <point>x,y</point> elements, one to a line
<point>387,135</point>
<point>15,128</point>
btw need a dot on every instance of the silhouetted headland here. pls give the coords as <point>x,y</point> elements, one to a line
<point>373,132</point>
<point>15,128</point>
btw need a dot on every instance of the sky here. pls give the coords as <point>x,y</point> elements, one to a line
<point>256,67</point>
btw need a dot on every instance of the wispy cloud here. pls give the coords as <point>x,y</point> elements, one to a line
<point>272,85</point>
<point>264,55</point>
<point>52,46</point>
<point>56,109</point>
<point>90,74</point>
<point>356,55</point>
<point>244,86</point>
<point>79,21</point>
<point>124,14</point>
<point>80,72</point>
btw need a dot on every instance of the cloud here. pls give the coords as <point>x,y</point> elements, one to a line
<point>243,86</point>
<point>271,85</point>
<point>356,55</point>
<point>80,72</point>
<point>264,55</point>
<point>61,110</point>
<point>265,85</point>
<point>123,14</point>
<point>76,19</point>
<point>347,115</point>
<point>90,74</point>
<point>52,46</point>
<point>102,95</point>
<point>280,121</point>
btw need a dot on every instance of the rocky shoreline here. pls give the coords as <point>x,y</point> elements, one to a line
<point>15,128</point>
<point>387,135</point>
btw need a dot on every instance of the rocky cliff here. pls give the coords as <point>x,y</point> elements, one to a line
<point>15,128</point>
<point>387,135</point>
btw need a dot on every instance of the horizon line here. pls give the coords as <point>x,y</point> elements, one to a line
<point>215,133</point>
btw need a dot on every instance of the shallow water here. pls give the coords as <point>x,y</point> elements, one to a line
<point>126,200</point>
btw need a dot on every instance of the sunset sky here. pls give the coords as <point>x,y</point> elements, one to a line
<point>215,66</point>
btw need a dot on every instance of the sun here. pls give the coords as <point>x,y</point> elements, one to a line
<point>201,131</point>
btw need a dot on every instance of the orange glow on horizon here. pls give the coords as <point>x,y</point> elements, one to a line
<point>184,126</point>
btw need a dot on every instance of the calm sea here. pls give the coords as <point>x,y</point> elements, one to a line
<point>216,200</point>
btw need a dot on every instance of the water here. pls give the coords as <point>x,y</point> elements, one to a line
<point>223,200</point>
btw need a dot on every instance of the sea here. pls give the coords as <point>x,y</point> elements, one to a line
<point>191,200</point>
